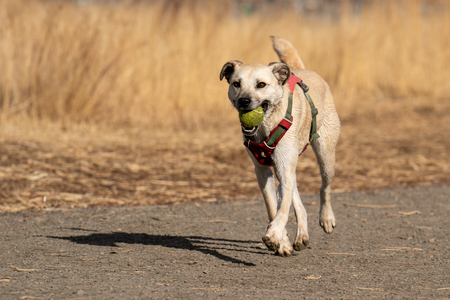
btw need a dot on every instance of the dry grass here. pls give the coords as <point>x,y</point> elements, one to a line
<point>108,104</point>
<point>143,64</point>
<point>43,167</point>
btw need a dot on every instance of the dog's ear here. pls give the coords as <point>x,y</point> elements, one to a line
<point>280,71</point>
<point>228,69</point>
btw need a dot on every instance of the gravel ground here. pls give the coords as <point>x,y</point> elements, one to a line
<point>387,244</point>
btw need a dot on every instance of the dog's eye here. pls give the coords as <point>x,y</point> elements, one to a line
<point>236,84</point>
<point>261,85</point>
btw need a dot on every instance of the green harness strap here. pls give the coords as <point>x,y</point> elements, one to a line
<point>280,129</point>
<point>313,133</point>
<point>314,111</point>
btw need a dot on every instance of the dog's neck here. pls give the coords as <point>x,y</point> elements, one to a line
<point>271,120</point>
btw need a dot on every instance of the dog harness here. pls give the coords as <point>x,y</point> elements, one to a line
<point>263,151</point>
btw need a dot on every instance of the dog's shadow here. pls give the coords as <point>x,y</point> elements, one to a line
<point>205,245</point>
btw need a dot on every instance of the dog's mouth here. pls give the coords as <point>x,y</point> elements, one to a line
<point>265,106</point>
<point>249,131</point>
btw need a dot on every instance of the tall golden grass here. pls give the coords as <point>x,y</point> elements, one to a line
<point>157,64</point>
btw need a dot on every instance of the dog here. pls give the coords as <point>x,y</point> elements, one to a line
<point>313,122</point>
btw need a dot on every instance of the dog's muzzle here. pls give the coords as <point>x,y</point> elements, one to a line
<point>243,103</point>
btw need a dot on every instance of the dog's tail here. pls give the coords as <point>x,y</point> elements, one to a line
<point>287,53</point>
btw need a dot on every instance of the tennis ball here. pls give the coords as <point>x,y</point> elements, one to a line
<point>251,118</point>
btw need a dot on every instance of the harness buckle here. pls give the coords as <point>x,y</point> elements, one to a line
<point>304,87</point>
<point>289,120</point>
<point>314,112</point>
<point>271,148</point>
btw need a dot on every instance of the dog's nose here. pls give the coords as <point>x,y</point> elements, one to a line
<point>244,102</point>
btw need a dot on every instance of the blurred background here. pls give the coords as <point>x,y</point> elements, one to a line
<point>89,88</point>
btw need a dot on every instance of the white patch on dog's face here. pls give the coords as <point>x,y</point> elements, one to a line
<point>258,84</point>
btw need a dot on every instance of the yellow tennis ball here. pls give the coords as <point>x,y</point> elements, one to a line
<point>251,118</point>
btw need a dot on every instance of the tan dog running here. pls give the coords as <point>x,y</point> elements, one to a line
<point>254,85</point>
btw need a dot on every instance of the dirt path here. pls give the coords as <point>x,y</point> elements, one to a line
<point>388,244</point>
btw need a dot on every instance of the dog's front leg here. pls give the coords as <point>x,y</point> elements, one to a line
<point>266,181</point>
<point>276,236</point>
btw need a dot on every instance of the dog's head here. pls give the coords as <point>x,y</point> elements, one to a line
<point>255,85</point>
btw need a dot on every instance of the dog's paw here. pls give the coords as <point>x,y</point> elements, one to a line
<point>282,246</point>
<point>327,220</point>
<point>272,238</point>
<point>285,248</point>
<point>271,243</point>
<point>301,242</point>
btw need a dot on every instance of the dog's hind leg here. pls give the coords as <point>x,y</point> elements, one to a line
<point>324,148</point>
<point>302,238</point>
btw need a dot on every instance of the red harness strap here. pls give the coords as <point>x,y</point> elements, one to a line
<point>262,151</point>
<point>292,81</point>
